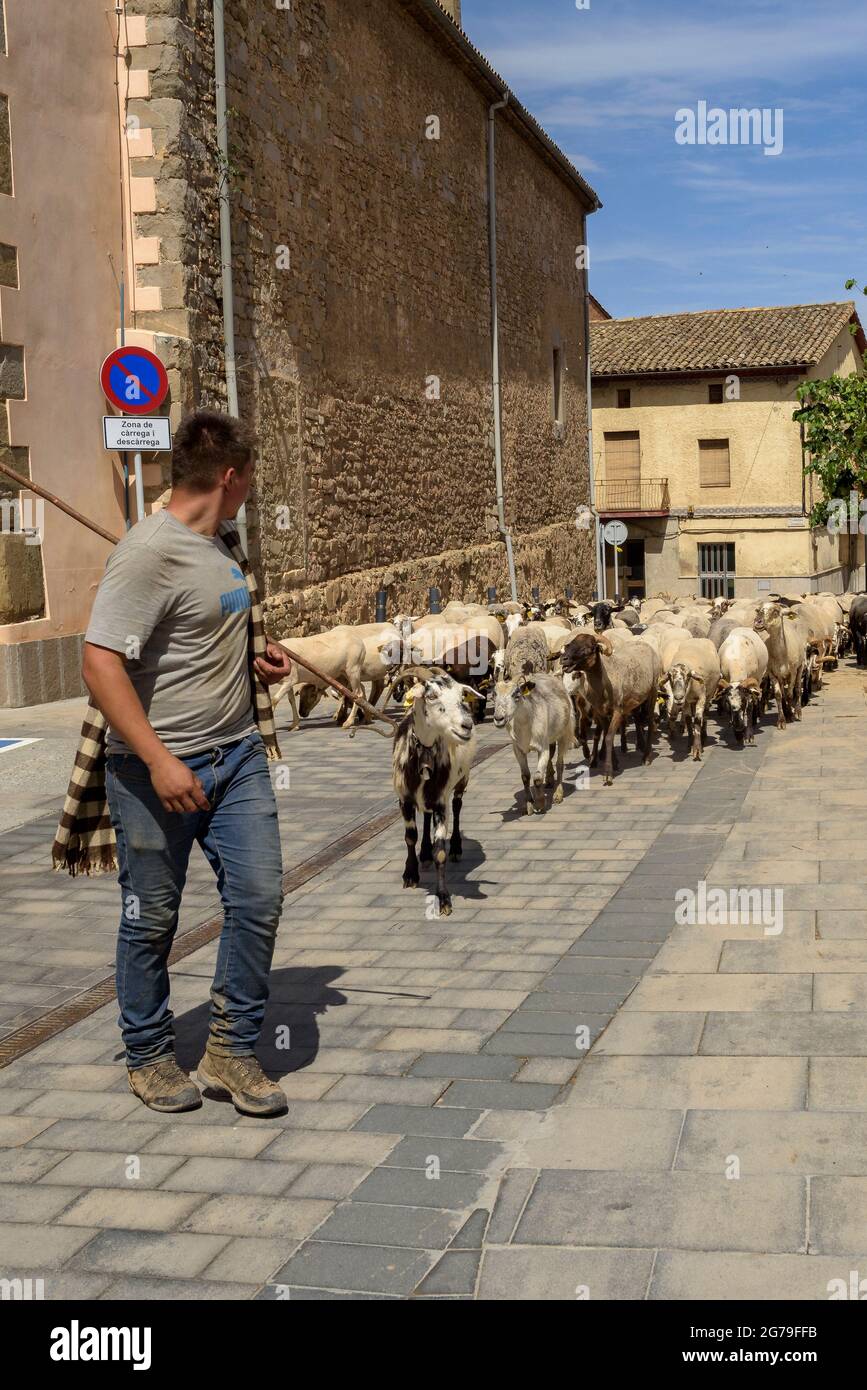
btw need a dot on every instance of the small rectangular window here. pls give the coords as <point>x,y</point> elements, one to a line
<point>716,569</point>
<point>8,266</point>
<point>714,466</point>
<point>624,399</point>
<point>5,147</point>
<point>558,385</point>
<point>715,393</point>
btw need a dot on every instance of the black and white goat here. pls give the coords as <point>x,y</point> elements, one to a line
<point>434,747</point>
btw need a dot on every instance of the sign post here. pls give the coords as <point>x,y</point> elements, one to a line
<point>615,533</point>
<point>135,381</point>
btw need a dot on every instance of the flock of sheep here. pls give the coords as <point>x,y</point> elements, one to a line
<point>562,672</point>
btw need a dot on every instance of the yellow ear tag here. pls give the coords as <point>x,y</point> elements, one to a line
<point>468,699</point>
<point>408,701</point>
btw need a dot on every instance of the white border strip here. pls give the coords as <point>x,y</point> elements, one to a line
<point>18,743</point>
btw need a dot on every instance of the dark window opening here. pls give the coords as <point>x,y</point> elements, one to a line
<point>624,398</point>
<point>558,385</point>
<point>715,393</point>
<point>716,569</point>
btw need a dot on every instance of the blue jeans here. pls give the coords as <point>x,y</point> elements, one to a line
<point>239,836</point>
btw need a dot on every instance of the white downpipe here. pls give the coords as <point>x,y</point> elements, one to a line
<point>599,543</point>
<point>226,229</point>
<point>495,342</point>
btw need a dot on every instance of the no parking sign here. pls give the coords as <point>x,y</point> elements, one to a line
<point>134,380</point>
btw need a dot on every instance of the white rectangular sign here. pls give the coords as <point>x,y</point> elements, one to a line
<point>136,434</point>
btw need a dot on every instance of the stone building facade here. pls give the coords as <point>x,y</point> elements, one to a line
<point>358,185</point>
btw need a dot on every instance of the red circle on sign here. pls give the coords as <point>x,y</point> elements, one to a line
<point>134,380</point>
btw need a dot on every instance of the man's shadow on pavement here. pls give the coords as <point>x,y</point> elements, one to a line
<point>289,1040</point>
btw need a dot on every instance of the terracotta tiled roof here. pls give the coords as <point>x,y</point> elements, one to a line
<point>717,339</point>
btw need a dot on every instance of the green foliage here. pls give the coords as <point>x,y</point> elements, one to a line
<point>834,416</point>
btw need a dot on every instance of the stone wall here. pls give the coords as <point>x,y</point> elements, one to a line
<point>361,273</point>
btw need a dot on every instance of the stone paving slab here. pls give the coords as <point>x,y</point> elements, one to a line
<point>446,1138</point>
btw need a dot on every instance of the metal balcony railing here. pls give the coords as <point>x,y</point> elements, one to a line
<point>640,495</point>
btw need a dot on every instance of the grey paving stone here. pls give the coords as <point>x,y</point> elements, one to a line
<point>322,1146</point>
<point>258,1216</point>
<point>253,1177</point>
<point>65,1286</point>
<point>512,1195</point>
<point>553,1021</point>
<point>158,1253</point>
<point>13,1098</point>
<point>461,1065</point>
<point>415,1188</point>
<point>455,1273</point>
<point>26,1165</point>
<point>838,1216</point>
<point>515,1273</point>
<point>501,1095</point>
<point>454,1155</point>
<point>250,1260</point>
<point>638,927</point>
<point>373,1090</point>
<point>83,1105</point>
<point>678,1210</point>
<point>418,1119</point>
<point>366,1223</point>
<point>27,1245</point>
<point>129,1210</point>
<point>574,989</point>
<point>542,1044</point>
<point>328,1180</point>
<point>471,1236</point>
<point>273,1292</point>
<point>808,1142</point>
<point>29,1202</point>
<point>733,1275</point>
<point>100,1135</point>
<point>88,1169</point>
<point>161,1290</point>
<point>212,1141</point>
<point>356,1268</point>
<point>780,1035</point>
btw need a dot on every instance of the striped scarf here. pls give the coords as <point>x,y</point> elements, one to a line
<point>85,840</point>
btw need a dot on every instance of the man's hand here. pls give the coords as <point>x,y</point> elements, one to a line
<point>277,665</point>
<point>177,787</point>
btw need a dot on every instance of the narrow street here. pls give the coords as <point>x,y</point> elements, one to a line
<point>449,1134</point>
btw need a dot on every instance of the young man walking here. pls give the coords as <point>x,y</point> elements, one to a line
<point>176,663</point>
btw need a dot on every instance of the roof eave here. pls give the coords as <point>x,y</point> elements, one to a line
<point>780,369</point>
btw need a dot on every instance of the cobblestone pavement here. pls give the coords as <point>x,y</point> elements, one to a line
<point>449,1135</point>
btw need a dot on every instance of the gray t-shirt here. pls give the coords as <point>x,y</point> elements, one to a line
<point>176,605</point>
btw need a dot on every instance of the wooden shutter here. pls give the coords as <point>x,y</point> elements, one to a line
<point>714,468</point>
<point>622,457</point>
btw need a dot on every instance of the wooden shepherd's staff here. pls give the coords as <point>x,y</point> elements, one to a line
<point>343,690</point>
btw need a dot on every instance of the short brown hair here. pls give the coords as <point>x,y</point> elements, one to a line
<point>206,444</point>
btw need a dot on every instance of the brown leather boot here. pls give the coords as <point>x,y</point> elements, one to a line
<point>163,1086</point>
<point>244,1080</point>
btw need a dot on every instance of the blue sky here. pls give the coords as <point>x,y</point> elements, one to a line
<point>689,226</point>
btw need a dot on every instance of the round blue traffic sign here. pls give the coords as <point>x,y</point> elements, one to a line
<point>134,380</point>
